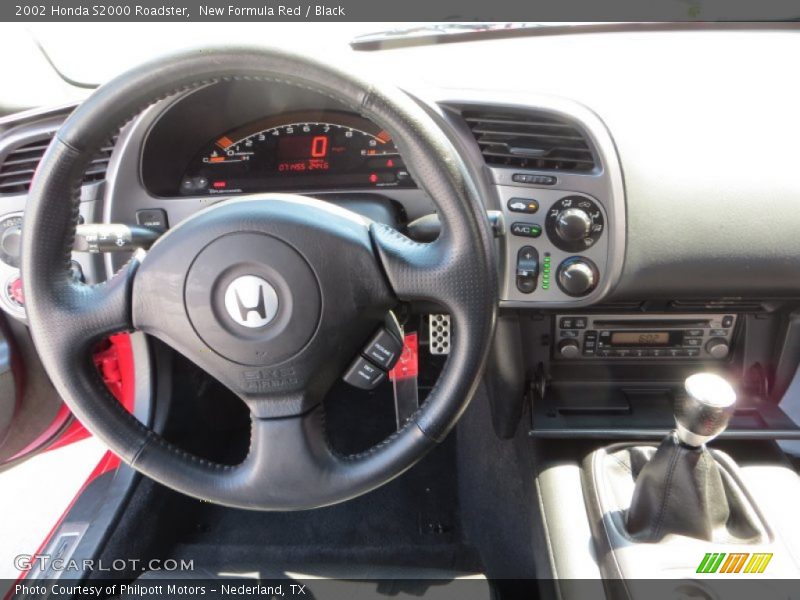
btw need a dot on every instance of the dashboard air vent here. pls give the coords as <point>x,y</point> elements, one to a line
<point>529,140</point>
<point>19,165</point>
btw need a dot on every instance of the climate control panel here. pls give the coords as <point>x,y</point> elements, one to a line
<point>556,245</point>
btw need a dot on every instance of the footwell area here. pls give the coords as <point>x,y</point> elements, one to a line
<point>465,507</point>
<point>413,521</point>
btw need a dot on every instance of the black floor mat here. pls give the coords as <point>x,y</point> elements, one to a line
<point>412,521</point>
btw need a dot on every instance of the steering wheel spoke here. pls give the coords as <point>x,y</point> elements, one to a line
<point>104,309</point>
<point>289,455</point>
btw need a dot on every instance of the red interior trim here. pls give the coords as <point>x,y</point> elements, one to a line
<point>115,363</point>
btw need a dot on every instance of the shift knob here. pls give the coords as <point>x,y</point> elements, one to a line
<point>703,412</point>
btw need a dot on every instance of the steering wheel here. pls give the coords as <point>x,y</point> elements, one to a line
<point>330,275</point>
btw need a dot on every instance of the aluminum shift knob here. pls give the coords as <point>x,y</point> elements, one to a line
<point>703,412</point>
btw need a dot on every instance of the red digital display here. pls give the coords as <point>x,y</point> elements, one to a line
<point>302,166</point>
<point>302,154</point>
<point>300,150</point>
<point>319,146</point>
<point>296,147</point>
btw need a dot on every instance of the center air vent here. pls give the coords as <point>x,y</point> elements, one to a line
<point>19,165</point>
<point>529,140</point>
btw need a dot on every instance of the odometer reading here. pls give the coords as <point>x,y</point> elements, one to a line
<point>328,150</point>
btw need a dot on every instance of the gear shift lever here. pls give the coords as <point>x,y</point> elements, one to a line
<point>704,411</point>
<point>681,488</point>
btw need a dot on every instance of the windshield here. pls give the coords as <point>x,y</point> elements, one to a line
<point>55,63</point>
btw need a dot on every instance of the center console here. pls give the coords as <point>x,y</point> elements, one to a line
<point>679,477</point>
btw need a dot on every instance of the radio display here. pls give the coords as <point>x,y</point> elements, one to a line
<point>639,338</point>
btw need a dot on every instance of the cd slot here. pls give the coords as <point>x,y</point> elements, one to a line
<point>651,323</point>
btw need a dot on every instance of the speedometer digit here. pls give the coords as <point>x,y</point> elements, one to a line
<point>296,152</point>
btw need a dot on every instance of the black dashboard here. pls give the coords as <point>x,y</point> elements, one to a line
<point>646,190</point>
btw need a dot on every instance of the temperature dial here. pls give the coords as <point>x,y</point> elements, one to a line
<point>574,223</point>
<point>577,276</point>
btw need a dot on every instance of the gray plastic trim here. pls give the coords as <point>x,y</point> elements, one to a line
<point>605,186</point>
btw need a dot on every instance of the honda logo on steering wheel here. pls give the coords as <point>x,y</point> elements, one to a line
<point>251,301</point>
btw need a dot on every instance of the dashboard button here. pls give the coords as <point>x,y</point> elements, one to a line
<point>693,342</point>
<point>694,332</point>
<point>530,230</point>
<point>692,352</point>
<point>523,205</point>
<point>569,333</point>
<point>527,269</point>
<point>719,333</point>
<point>15,291</point>
<point>155,218</point>
<point>580,322</point>
<point>565,323</point>
<point>533,179</point>
<point>727,321</point>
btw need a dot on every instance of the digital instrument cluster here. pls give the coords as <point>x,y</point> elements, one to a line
<point>303,150</point>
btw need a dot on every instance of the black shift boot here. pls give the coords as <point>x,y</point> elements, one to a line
<point>684,491</point>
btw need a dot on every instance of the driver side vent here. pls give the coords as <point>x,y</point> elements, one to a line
<point>19,165</point>
<point>530,140</point>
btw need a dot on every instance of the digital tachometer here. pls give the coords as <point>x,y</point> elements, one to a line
<point>295,152</point>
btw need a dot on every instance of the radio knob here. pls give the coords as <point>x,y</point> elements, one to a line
<point>573,224</point>
<point>717,348</point>
<point>577,276</point>
<point>569,349</point>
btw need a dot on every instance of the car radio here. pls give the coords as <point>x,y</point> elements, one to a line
<point>641,336</point>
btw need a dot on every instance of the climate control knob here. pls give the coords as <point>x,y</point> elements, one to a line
<point>577,276</point>
<point>717,348</point>
<point>573,224</point>
<point>569,349</point>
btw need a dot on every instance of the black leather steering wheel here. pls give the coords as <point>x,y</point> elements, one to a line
<point>334,275</point>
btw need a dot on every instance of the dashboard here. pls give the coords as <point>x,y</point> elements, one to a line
<point>597,194</point>
<point>643,210</point>
<point>554,183</point>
